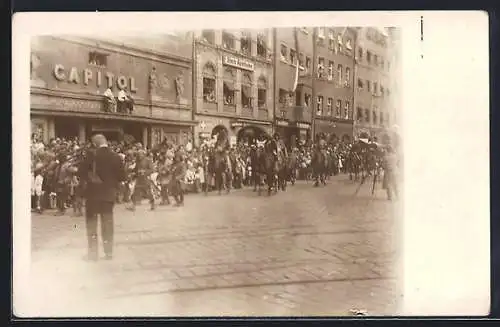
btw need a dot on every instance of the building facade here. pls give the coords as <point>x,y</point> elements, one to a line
<point>333,84</point>
<point>233,79</point>
<point>69,76</point>
<point>293,108</point>
<point>374,106</point>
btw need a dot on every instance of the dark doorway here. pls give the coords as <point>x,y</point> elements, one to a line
<point>132,132</point>
<point>218,129</point>
<point>249,134</point>
<point>67,128</point>
<point>346,138</point>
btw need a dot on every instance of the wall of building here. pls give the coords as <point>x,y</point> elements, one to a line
<point>236,68</point>
<point>369,101</point>
<point>65,81</point>
<point>286,72</point>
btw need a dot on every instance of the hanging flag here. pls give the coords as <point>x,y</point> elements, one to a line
<point>297,51</point>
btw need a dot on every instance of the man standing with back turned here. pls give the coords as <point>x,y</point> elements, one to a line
<point>102,171</point>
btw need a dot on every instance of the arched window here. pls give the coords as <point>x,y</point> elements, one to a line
<point>209,82</point>
<point>246,91</point>
<point>262,92</point>
<point>229,86</point>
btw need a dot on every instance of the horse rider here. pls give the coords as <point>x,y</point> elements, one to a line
<point>278,148</point>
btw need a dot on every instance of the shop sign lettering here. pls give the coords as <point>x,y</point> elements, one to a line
<point>88,76</point>
<point>236,124</point>
<point>238,63</point>
<point>282,123</point>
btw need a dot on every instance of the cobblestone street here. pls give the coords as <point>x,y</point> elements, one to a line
<point>306,251</point>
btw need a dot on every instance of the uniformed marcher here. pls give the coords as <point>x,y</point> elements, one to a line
<point>143,170</point>
<point>178,176</point>
<point>390,165</point>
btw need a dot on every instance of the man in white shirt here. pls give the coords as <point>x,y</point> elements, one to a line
<point>125,102</point>
<point>110,100</point>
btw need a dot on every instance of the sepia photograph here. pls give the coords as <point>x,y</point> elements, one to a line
<point>218,170</point>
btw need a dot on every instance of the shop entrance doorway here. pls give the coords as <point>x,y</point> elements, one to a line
<point>66,128</point>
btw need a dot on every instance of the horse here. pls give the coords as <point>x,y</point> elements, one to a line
<point>354,163</point>
<point>319,165</point>
<point>258,168</point>
<point>292,164</point>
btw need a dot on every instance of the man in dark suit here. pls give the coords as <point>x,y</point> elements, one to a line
<point>102,171</point>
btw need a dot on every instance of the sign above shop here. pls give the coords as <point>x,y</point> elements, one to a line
<point>236,124</point>
<point>85,76</point>
<point>282,122</point>
<point>238,63</point>
<point>303,126</point>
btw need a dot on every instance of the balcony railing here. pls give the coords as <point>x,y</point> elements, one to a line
<point>263,113</point>
<point>247,111</point>
<point>229,108</point>
<point>302,113</point>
